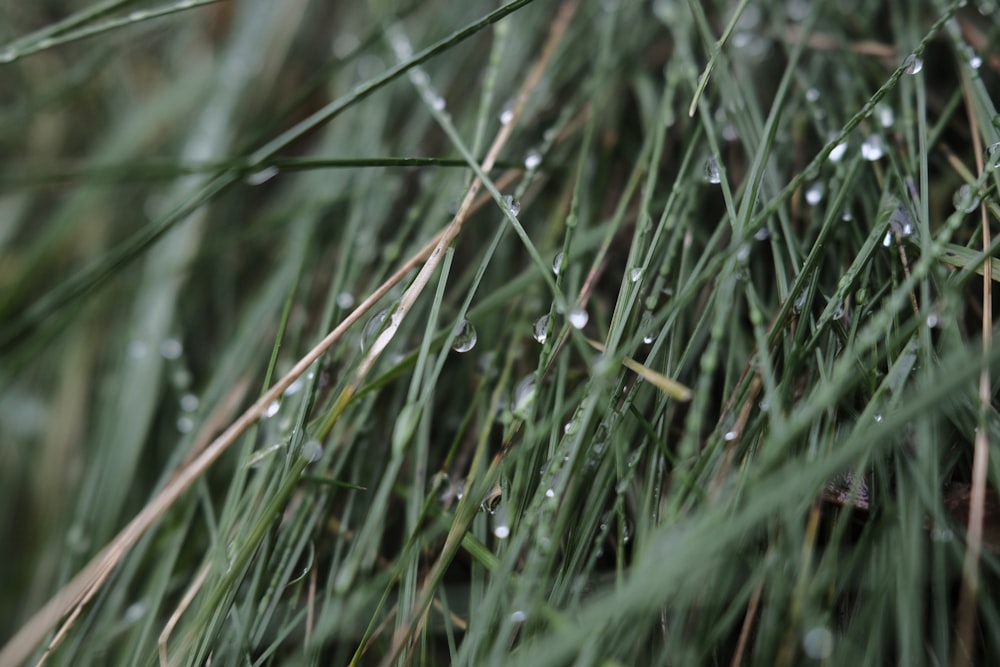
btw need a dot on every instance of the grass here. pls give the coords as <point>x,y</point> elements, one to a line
<point>592,333</point>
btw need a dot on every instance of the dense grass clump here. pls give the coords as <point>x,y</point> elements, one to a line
<point>591,332</point>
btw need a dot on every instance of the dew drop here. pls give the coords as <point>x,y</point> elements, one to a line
<point>271,410</point>
<point>635,274</point>
<point>932,321</point>
<point>887,240</point>
<point>437,103</point>
<point>261,176</point>
<point>730,436</point>
<point>372,327</point>
<point>812,94</point>
<point>189,402</point>
<point>518,617</point>
<point>886,116</point>
<point>993,150</point>
<point>295,387</point>
<point>465,337</point>
<point>578,317</point>
<point>134,612</point>
<point>507,113</point>
<point>872,149</point>
<point>878,418</point>
<point>512,205</point>
<point>762,234</point>
<point>312,451</point>
<point>814,194</point>
<point>345,300</point>
<point>171,349</point>
<point>185,424</point>
<point>557,263</point>
<point>543,325</point>
<point>137,349</point>
<point>532,160</point>
<point>818,643</point>
<point>913,64</point>
<point>524,395</point>
<point>965,199</point>
<point>711,172</point>
<point>837,154</point>
<point>502,531</point>
<point>648,339</point>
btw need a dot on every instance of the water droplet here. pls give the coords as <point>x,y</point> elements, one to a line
<point>512,205</point>
<point>872,149</point>
<point>137,349</point>
<point>569,427</point>
<point>578,317</point>
<point>887,240</point>
<point>465,337</point>
<point>913,64</point>
<point>878,418</point>
<point>965,199</point>
<point>312,451</point>
<point>975,62</point>
<point>886,116</point>
<point>189,402</point>
<point>502,531</point>
<point>185,424</point>
<point>812,94</point>
<point>993,150</point>
<point>635,274</point>
<point>900,222</point>
<point>543,325</point>
<point>818,643</point>
<point>550,493</point>
<point>838,151</point>
<point>261,176</point>
<point>524,395</point>
<point>437,103</point>
<point>134,612</point>
<point>648,339</point>
<point>171,348</point>
<point>932,321</point>
<point>814,194</point>
<point>711,172</point>
<point>730,436</point>
<point>507,113</point>
<point>518,617</point>
<point>271,410</point>
<point>847,217</point>
<point>373,327</point>
<point>729,132</point>
<point>345,300</point>
<point>532,160</point>
<point>557,263</point>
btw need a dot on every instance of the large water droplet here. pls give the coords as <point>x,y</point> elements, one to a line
<point>635,274</point>
<point>372,328</point>
<point>518,617</point>
<point>578,317</point>
<point>711,171</point>
<point>872,148</point>
<point>557,263</point>
<point>913,64</point>
<point>271,410</point>
<point>465,337</point>
<point>542,328</point>
<point>189,402</point>
<point>965,199</point>
<point>312,451</point>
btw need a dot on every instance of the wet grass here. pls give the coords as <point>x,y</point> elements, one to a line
<point>661,333</point>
